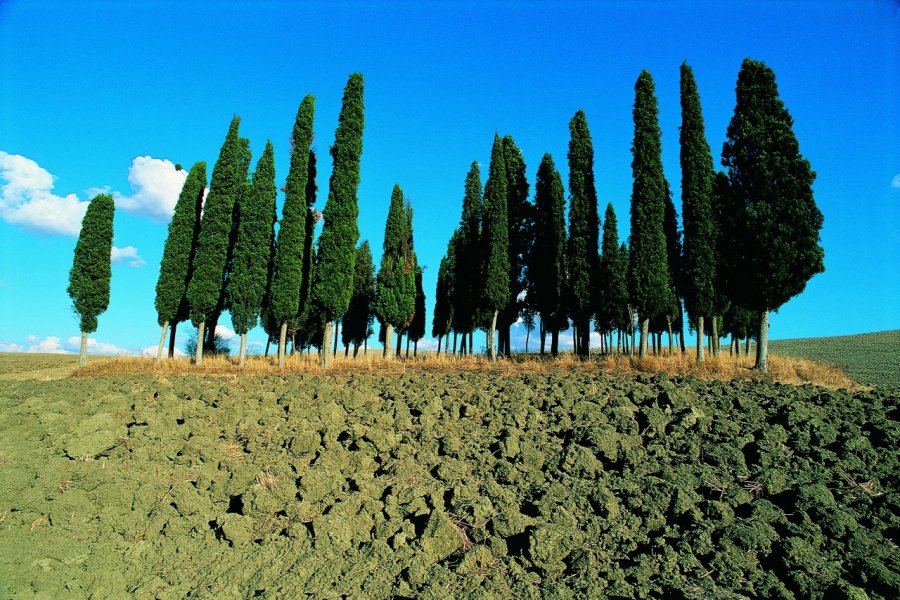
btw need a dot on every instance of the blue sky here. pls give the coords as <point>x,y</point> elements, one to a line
<point>100,95</point>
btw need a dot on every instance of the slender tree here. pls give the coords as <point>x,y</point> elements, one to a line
<point>309,260</point>
<point>442,319</point>
<point>395,296</point>
<point>495,243</point>
<point>648,274</point>
<point>337,243</point>
<point>288,272</point>
<point>547,268</point>
<point>584,230</point>
<point>357,321</point>
<point>247,283</point>
<point>417,326</point>
<point>613,294</point>
<point>91,272</point>
<point>771,184</point>
<point>206,286</point>
<point>467,277</point>
<point>178,254</point>
<point>519,219</point>
<point>672,312</point>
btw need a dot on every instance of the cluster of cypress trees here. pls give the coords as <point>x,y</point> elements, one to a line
<point>750,238</point>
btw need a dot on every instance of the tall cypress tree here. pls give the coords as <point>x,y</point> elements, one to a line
<point>91,272</point>
<point>309,255</point>
<point>292,234</point>
<point>648,273</point>
<point>395,296</point>
<point>178,254</point>
<point>612,305</point>
<point>247,283</point>
<point>356,324</point>
<point>547,268</point>
<point>337,243</point>
<point>206,287</point>
<point>672,312</point>
<point>466,293</point>
<point>697,174</point>
<point>417,326</point>
<point>442,319</point>
<point>771,183</point>
<point>519,218</point>
<point>495,243</point>
<point>584,230</point>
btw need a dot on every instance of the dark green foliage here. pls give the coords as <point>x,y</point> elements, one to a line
<point>309,251</point>
<point>547,268</point>
<point>584,223</point>
<point>443,296</point>
<point>770,182</point>
<point>178,254</point>
<point>395,298</point>
<point>648,272</point>
<point>247,282</point>
<point>612,305</point>
<point>495,234</point>
<point>337,243</point>
<point>356,324</point>
<point>519,214</point>
<point>699,264</point>
<point>673,256</point>
<point>467,276</point>
<point>288,270</point>
<point>206,287</point>
<point>417,326</point>
<point>91,272</point>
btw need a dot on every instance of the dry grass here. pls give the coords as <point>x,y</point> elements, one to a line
<point>725,367</point>
<point>267,479</point>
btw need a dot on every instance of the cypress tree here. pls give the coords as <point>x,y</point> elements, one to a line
<point>337,243</point>
<point>395,296</point>
<point>648,273</point>
<point>613,294</point>
<point>417,325</point>
<point>495,243</point>
<point>247,283</point>
<point>466,292</point>
<point>442,319</point>
<point>697,174</point>
<point>547,268</point>
<point>771,184</point>
<point>309,253</point>
<point>91,272</point>
<point>178,254</point>
<point>584,230</point>
<point>205,288</point>
<point>672,312</point>
<point>357,321</point>
<point>519,218</point>
<point>290,253</point>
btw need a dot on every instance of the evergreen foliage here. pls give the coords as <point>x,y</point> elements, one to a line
<point>207,283</point>
<point>584,228</point>
<point>417,326</point>
<point>467,276</point>
<point>673,256</point>
<point>770,183</point>
<point>247,282</point>
<point>337,243</point>
<point>91,272</point>
<point>292,233</point>
<point>519,220</point>
<point>178,253</point>
<point>547,263</point>
<point>648,273</point>
<point>357,321</point>
<point>698,269</point>
<point>442,319</point>
<point>396,284</point>
<point>613,294</point>
<point>495,241</point>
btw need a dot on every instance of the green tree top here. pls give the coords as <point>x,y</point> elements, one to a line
<point>396,285</point>
<point>584,221</point>
<point>90,273</point>
<point>495,234</point>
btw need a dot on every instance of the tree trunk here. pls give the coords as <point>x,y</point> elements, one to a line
<point>472,341</point>
<point>198,355</point>
<point>388,335</point>
<point>554,342</point>
<point>82,358</point>
<point>574,339</point>
<point>336,336</point>
<point>671,345</point>
<point>462,344</point>
<point>162,342</point>
<point>243,353</point>
<point>282,340</point>
<point>355,349</point>
<point>172,339</point>
<point>492,354</point>
<point>543,337</point>
<point>416,349</point>
<point>747,346</point>
<point>268,343</point>
<point>715,336</point>
<point>365,346</point>
<point>527,335</point>
<point>407,346</point>
<point>210,341</point>
<point>324,357</point>
<point>700,357</point>
<point>346,350</point>
<point>762,345</point>
<point>453,350</point>
<point>399,342</point>
<point>645,329</point>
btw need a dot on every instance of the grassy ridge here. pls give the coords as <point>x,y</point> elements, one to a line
<point>869,358</point>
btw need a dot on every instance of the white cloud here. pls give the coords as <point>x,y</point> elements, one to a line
<point>48,345</point>
<point>26,198</point>
<point>127,254</point>
<point>150,351</point>
<point>155,184</point>
<point>95,346</point>
<point>895,182</point>
<point>11,347</point>
<point>427,344</point>
<point>225,332</point>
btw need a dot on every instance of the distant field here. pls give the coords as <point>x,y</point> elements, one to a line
<point>870,358</point>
